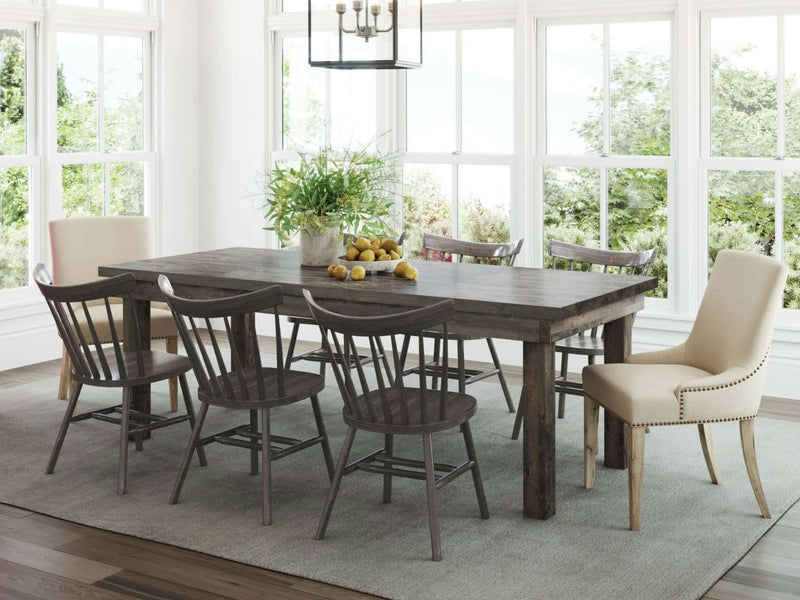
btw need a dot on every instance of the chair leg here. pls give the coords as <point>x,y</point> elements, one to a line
<point>437,345</point>
<point>172,348</point>
<point>187,400</point>
<point>187,454</point>
<point>635,469</point>
<point>433,509</point>
<point>266,469</point>
<point>385,361</point>
<point>707,442</point>
<point>500,376</point>
<point>476,473</point>
<point>62,432</point>
<point>122,481</point>
<point>747,433</point>
<point>591,417</point>
<point>66,375</point>
<point>326,448</point>
<point>253,452</point>
<point>292,343</point>
<point>562,396</point>
<point>337,481</point>
<point>462,376</point>
<point>517,421</point>
<point>388,446</point>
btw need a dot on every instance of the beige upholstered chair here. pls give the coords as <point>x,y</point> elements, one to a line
<point>717,374</point>
<point>79,246</point>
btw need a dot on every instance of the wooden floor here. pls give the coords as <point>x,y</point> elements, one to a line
<point>49,559</point>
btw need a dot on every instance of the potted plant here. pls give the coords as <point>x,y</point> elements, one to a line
<point>330,192</point>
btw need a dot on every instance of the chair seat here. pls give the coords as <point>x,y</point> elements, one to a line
<point>581,344</point>
<point>157,367</point>
<point>639,394</point>
<point>162,325</point>
<point>460,408</point>
<point>299,385</point>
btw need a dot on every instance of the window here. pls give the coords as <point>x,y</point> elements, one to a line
<point>604,141</point>
<point>750,138</point>
<point>459,122</point>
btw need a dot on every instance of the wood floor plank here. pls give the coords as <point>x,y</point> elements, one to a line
<point>762,580</point>
<point>35,532</point>
<point>28,582</point>
<point>52,561</point>
<point>13,511</point>
<point>729,590</point>
<point>145,587</point>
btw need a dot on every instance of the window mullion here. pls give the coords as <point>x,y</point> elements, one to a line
<point>606,90</point>
<point>459,94</point>
<point>781,91</point>
<point>778,247</point>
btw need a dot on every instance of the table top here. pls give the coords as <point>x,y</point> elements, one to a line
<point>490,294</point>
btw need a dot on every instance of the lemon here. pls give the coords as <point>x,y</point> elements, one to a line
<point>362,244</point>
<point>393,254</point>
<point>400,269</point>
<point>379,252</point>
<point>330,269</point>
<point>367,255</point>
<point>389,244</point>
<point>340,272</point>
<point>358,273</point>
<point>375,245</point>
<point>411,273</point>
<point>352,253</point>
<point>384,257</point>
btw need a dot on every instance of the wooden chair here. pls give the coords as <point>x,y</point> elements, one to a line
<point>394,409</point>
<point>243,383</point>
<point>110,367</point>
<point>717,374</point>
<point>80,245</point>
<point>436,247</point>
<point>574,257</point>
<point>319,354</point>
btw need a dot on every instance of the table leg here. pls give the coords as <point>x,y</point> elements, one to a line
<point>140,399</point>
<point>539,430</point>
<point>617,347</point>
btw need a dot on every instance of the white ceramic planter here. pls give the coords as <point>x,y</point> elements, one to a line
<point>320,249</point>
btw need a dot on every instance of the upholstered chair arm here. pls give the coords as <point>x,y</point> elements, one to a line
<point>732,394</point>
<point>669,356</point>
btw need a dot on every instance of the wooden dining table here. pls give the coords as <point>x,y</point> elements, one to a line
<point>535,306</point>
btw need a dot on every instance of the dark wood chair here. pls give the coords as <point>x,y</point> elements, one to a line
<point>244,382</point>
<point>96,363</point>
<point>573,257</point>
<point>318,354</point>
<point>394,409</point>
<point>437,247</point>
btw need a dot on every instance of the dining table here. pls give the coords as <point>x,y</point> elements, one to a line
<point>537,307</point>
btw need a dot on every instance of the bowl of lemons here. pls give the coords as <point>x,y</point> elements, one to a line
<point>374,256</point>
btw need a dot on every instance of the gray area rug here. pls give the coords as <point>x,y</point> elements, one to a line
<point>692,533</point>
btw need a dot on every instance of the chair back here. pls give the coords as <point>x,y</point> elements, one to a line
<point>441,248</point>
<point>736,318</point>
<point>69,304</point>
<point>240,378</point>
<point>377,401</point>
<point>81,244</point>
<point>636,262</point>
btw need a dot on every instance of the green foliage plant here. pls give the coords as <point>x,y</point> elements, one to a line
<point>355,189</point>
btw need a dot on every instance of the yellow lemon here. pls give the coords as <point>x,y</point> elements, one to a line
<point>389,244</point>
<point>379,252</point>
<point>340,272</point>
<point>375,245</point>
<point>400,269</point>
<point>367,255</point>
<point>357,273</point>
<point>352,253</point>
<point>393,254</point>
<point>410,273</point>
<point>330,269</point>
<point>362,244</point>
<point>384,257</point>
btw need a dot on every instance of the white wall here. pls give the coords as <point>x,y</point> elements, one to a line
<point>232,73</point>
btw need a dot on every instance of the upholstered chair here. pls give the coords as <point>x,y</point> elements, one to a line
<point>716,375</point>
<point>81,244</point>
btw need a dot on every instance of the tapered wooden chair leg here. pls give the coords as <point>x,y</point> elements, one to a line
<point>747,433</point>
<point>562,396</point>
<point>187,455</point>
<point>254,452</point>
<point>707,442</point>
<point>635,470</point>
<point>326,447</point>
<point>500,376</point>
<point>591,417</point>
<point>62,431</point>
<point>462,375</point>
<point>433,509</point>
<point>388,446</point>
<point>187,400</point>
<point>266,469</point>
<point>172,348</point>
<point>517,421</point>
<point>66,375</point>
<point>476,473</point>
<point>337,480</point>
<point>292,343</point>
<point>122,481</point>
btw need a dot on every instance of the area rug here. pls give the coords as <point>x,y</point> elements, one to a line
<point>692,531</point>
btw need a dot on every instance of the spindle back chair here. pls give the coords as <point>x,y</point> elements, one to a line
<point>373,403</point>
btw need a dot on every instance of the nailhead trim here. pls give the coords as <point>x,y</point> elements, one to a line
<point>658,423</point>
